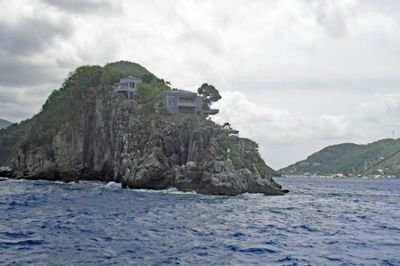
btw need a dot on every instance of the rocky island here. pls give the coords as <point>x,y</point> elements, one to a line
<point>100,126</point>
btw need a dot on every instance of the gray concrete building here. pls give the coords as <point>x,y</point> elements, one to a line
<point>185,102</point>
<point>128,84</point>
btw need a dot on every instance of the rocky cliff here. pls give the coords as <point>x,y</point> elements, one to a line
<point>87,132</point>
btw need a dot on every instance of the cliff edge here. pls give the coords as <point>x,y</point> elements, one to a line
<point>87,131</point>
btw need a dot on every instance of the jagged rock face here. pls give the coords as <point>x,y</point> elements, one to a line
<point>113,140</point>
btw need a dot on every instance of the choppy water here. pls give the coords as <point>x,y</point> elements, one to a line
<point>321,221</point>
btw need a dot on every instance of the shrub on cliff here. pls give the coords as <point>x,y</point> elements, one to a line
<point>147,78</point>
<point>242,156</point>
<point>62,106</point>
<point>210,94</point>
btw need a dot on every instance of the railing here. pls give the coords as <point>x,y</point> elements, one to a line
<point>189,104</point>
<point>124,89</point>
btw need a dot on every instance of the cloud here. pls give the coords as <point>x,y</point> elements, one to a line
<point>275,124</point>
<point>289,135</point>
<point>284,136</point>
<point>25,42</point>
<point>16,71</point>
<point>378,115</point>
<point>30,35</point>
<point>83,6</point>
<point>295,75</point>
<point>332,16</point>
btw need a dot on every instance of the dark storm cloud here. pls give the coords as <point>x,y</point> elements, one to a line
<point>15,71</point>
<point>30,35</point>
<point>82,6</point>
<point>19,41</point>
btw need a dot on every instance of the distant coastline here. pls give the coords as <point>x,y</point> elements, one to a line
<point>374,160</point>
<point>340,177</point>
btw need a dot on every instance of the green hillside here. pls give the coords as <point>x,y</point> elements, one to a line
<point>378,158</point>
<point>67,104</point>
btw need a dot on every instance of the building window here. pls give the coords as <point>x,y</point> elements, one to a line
<point>171,101</point>
<point>186,99</point>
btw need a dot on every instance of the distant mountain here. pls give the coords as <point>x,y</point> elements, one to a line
<point>4,123</point>
<point>378,158</point>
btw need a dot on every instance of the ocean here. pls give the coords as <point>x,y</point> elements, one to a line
<point>320,222</point>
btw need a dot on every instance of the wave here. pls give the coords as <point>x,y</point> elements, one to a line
<point>113,184</point>
<point>166,191</point>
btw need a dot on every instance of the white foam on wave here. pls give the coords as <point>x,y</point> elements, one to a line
<point>166,191</point>
<point>113,184</point>
<point>252,195</point>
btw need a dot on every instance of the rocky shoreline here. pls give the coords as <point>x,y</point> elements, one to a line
<point>188,178</point>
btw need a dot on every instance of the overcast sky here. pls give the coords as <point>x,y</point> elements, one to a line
<point>295,75</point>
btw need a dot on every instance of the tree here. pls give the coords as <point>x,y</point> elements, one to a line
<point>210,94</point>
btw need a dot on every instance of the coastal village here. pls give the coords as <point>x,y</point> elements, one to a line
<point>295,172</point>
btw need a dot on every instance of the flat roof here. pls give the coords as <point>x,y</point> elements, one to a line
<point>179,92</point>
<point>129,78</point>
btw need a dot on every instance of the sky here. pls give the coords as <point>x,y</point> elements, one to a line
<point>294,75</point>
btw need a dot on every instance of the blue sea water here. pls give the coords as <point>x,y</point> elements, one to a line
<point>320,222</point>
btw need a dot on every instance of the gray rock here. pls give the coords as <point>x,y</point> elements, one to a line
<point>112,140</point>
<point>6,172</point>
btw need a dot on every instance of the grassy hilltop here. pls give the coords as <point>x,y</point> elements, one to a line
<point>378,158</point>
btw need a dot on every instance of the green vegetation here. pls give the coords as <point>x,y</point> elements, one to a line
<point>65,105</point>
<point>128,68</point>
<point>244,154</point>
<point>273,172</point>
<point>62,106</point>
<point>110,75</point>
<point>227,143</point>
<point>377,158</point>
<point>147,78</point>
<point>148,94</point>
